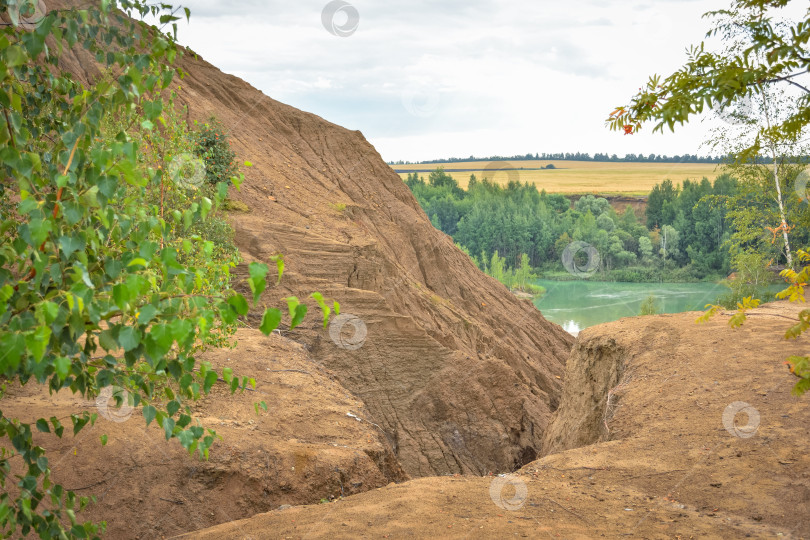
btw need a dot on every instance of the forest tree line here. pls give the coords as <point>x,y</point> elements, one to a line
<point>687,234</point>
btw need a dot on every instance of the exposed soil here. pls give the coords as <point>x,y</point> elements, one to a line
<point>461,375</point>
<point>442,371</point>
<point>313,443</point>
<point>662,464</point>
<point>620,203</point>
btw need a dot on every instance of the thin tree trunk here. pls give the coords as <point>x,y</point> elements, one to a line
<point>162,190</point>
<point>784,224</point>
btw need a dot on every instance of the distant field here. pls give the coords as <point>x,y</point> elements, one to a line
<point>574,176</point>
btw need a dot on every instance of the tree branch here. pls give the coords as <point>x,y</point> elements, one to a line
<point>10,131</point>
<point>794,83</point>
<point>787,78</point>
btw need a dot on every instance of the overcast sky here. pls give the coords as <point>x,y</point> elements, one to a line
<point>425,80</point>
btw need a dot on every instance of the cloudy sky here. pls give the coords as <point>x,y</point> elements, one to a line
<point>425,80</point>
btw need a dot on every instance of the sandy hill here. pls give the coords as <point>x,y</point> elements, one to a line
<point>305,448</point>
<point>460,375</point>
<point>434,368</point>
<point>651,440</point>
<point>441,375</point>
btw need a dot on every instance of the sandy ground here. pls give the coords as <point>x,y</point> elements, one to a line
<point>674,461</point>
<point>304,449</point>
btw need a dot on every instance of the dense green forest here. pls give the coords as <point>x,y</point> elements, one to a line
<point>685,235</point>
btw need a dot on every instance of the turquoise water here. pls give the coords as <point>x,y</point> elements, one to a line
<point>576,305</point>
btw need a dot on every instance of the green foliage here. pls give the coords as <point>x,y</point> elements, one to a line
<point>114,271</point>
<point>517,279</point>
<point>497,269</point>
<point>760,56</point>
<point>325,309</point>
<point>523,274</point>
<point>165,149</point>
<point>645,248</point>
<point>589,203</point>
<point>773,54</point>
<point>797,281</point>
<point>535,290</point>
<point>800,367</point>
<point>754,212</point>
<point>752,279</point>
<point>669,241</point>
<point>231,205</point>
<point>648,306</point>
<point>212,146</point>
<point>660,202</point>
<point>515,219</point>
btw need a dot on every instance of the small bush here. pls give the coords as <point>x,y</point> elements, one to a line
<point>535,290</point>
<point>740,291</point>
<point>159,148</point>
<point>231,205</point>
<point>648,306</point>
<point>752,278</point>
<point>211,145</point>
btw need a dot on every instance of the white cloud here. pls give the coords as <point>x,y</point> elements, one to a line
<point>425,79</point>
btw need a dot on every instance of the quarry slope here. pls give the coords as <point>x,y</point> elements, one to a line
<point>308,446</point>
<point>441,371</point>
<point>688,431</point>
<point>460,375</point>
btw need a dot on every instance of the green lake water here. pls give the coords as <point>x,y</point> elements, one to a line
<point>576,305</point>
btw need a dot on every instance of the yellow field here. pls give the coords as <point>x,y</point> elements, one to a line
<point>575,176</point>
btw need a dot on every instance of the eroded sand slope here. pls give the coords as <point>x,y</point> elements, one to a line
<point>666,466</point>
